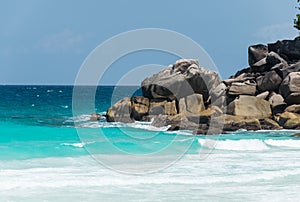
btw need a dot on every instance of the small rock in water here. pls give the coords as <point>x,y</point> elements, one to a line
<point>296,135</point>
<point>96,117</point>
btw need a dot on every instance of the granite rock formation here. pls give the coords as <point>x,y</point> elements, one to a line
<point>265,95</point>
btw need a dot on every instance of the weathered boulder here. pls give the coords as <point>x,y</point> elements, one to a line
<point>284,72</point>
<point>139,108</point>
<point>206,115</point>
<point>250,106</point>
<point>288,49</point>
<point>292,123</point>
<point>277,103</point>
<point>290,88</point>
<point>183,78</point>
<point>269,124</point>
<point>293,109</point>
<point>256,53</point>
<point>245,88</point>
<point>268,82</point>
<point>239,79</point>
<point>177,122</point>
<point>157,107</point>
<point>263,95</point>
<point>273,59</point>
<point>233,123</point>
<point>191,105</point>
<point>120,112</point>
<point>260,66</point>
<point>221,102</point>
<point>217,92</point>
<point>284,117</point>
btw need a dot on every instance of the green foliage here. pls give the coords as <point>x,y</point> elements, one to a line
<point>297,20</point>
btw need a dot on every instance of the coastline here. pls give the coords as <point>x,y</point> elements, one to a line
<point>264,96</point>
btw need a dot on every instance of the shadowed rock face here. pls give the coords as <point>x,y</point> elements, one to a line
<point>184,95</point>
<point>288,49</point>
<point>182,79</point>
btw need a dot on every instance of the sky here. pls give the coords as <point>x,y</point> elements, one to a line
<point>46,42</point>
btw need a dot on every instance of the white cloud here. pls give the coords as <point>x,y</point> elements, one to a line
<point>276,32</point>
<point>64,41</point>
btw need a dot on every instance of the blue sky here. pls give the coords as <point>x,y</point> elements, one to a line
<point>45,42</point>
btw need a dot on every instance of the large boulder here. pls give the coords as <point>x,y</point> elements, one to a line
<point>263,95</point>
<point>290,88</point>
<point>269,124</point>
<point>233,123</point>
<point>120,112</point>
<point>139,108</point>
<point>292,123</point>
<point>260,66</point>
<point>288,49</point>
<point>273,59</point>
<point>284,117</point>
<point>219,91</point>
<point>277,103</point>
<point>250,106</point>
<point>256,53</point>
<point>268,82</point>
<point>293,109</point>
<point>191,105</point>
<point>183,78</point>
<point>176,122</point>
<point>245,88</point>
<point>239,79</point>
<point>162,107</point>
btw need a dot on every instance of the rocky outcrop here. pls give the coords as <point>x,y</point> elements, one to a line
<point>182,79</point>
<point>265,95</point>
<point>120,112</point>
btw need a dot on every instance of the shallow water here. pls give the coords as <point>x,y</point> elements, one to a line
<point>47,154</point>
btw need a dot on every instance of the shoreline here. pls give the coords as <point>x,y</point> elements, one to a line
<point>264,96</point>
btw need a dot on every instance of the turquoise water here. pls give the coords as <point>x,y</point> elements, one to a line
<point>47,154</point>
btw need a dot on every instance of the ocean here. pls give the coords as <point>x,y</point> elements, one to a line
<point>50,154</point>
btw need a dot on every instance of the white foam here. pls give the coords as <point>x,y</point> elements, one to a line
<point>78,144</point>
<point>284,143</point>
<point>235,145</point>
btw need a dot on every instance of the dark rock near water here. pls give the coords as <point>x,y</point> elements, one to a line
<point>120,112</point>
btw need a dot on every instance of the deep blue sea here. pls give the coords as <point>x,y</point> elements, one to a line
<point>50,153</point>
